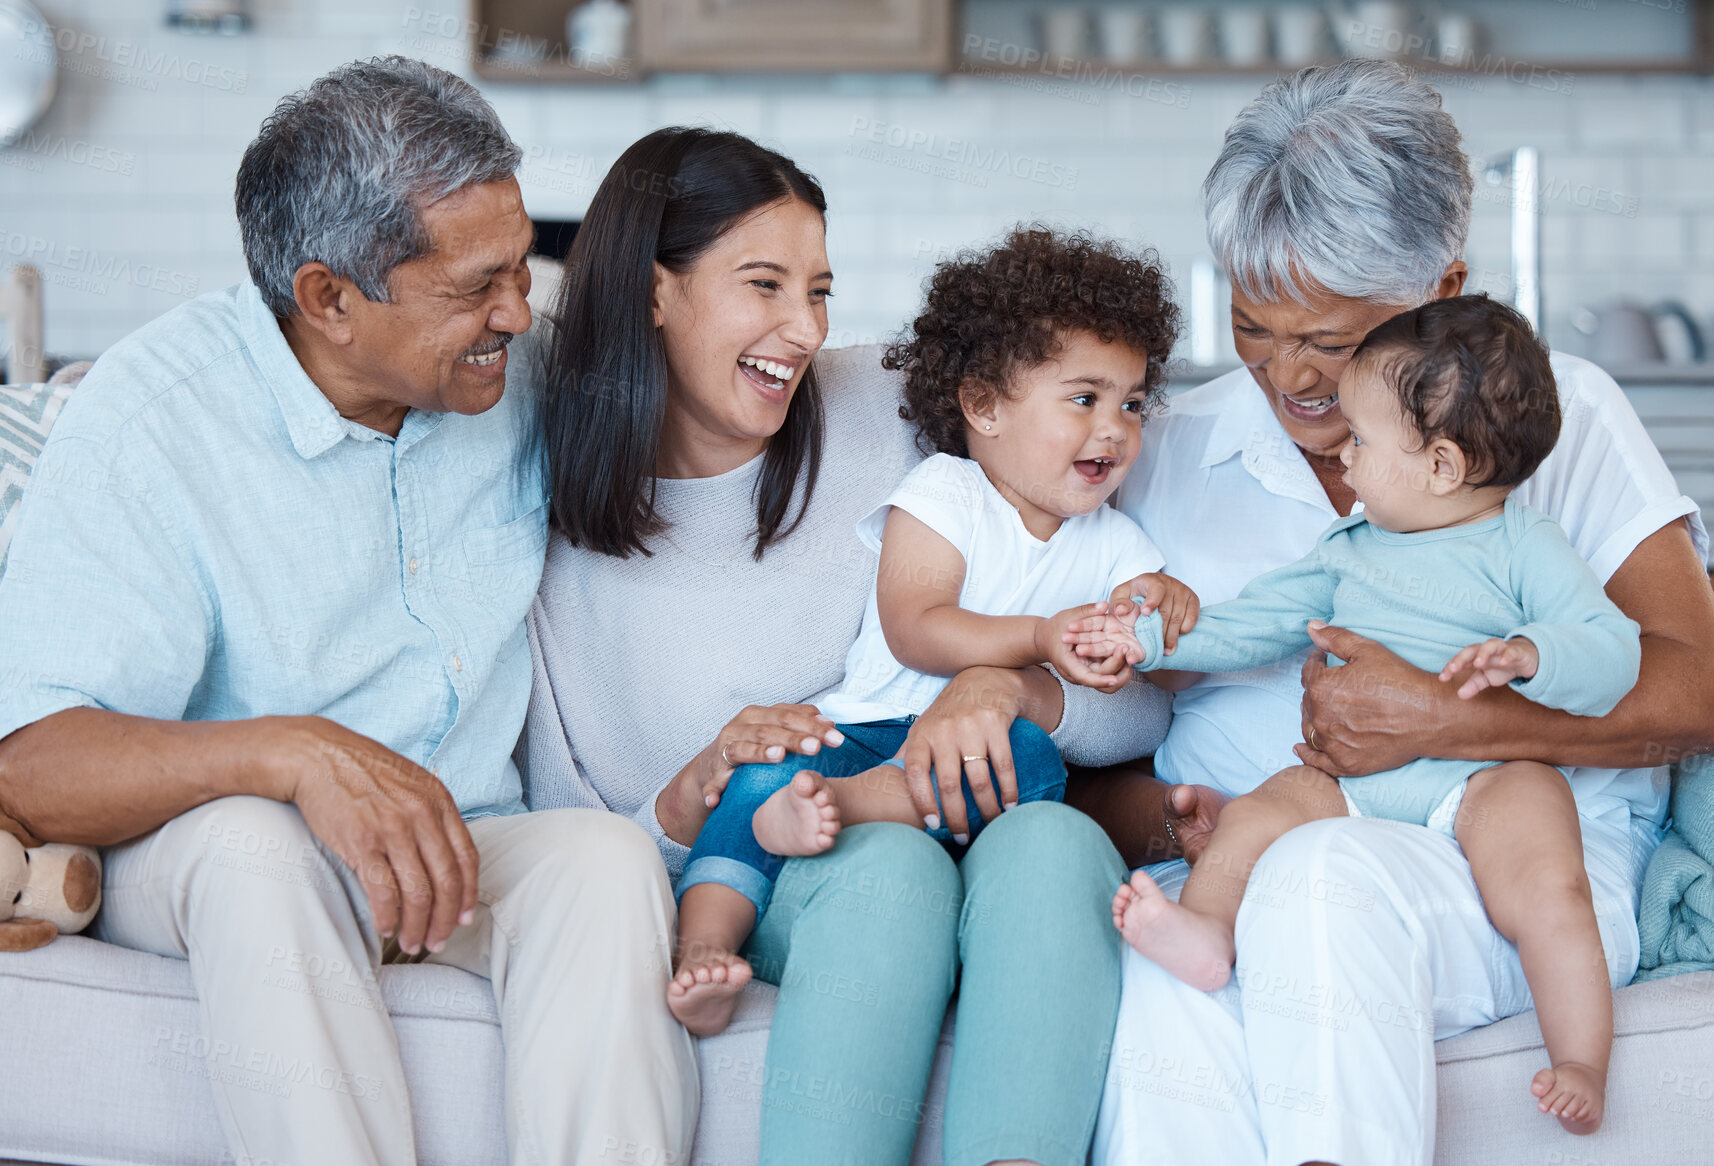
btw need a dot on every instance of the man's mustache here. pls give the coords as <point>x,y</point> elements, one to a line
<point>500,340</point>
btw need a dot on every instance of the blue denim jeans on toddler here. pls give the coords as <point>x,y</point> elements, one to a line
<point>727,852</point>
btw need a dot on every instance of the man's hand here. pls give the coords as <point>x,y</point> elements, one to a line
<point>1376,712</point>
<point>390,820</point>
<point>15,828</point>
<point>1099,663</point>
<point>1495,664</point>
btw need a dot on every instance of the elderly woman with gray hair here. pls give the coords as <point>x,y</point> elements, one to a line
<point>1342,197</point>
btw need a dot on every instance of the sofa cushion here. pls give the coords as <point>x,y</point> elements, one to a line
<point>1660,1091</point>
<point>107,1063</point>
<point>1660,1099</point>
<point>27,412</point>
<point>107,1067</point>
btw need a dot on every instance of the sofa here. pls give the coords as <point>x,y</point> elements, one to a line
<point>107,1065</point>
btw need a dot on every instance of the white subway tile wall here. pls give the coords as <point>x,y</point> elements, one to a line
<point>123,193</point>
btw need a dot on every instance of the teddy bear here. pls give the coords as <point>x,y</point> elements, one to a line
<point>47,890</point>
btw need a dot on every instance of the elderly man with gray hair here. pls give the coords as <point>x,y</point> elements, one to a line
<point>264,637</point>
<point>1341,198</point>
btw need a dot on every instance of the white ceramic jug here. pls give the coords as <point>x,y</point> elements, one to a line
<point>1185,32</point>
<point>1300,34</point>
<point>1383,29</point>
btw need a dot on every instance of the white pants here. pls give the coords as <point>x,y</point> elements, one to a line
<point>573,929</point>
<point>1360,943</point>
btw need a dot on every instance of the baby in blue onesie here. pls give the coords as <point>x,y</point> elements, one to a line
<point>1451,405</point>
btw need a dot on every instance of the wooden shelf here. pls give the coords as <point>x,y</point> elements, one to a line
<point>734,37</point>
<point>1512,53</point>
<point>796,36</point>
<point>550,72</point>
<point>724,36</point>
<point>1074,71</point>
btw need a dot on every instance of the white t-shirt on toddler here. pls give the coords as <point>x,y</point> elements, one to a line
<point>1007,571</point>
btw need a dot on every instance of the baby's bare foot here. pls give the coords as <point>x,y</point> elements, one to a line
<point>1574,1093</point>
<point>802,818</point>
<point>1192,947</point>
<point>704,990</point>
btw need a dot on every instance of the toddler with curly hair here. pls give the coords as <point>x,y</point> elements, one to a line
<point>1029,373</point>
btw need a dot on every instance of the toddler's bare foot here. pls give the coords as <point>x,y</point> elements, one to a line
<point>704,990</point>
<point>802,818</point>
<point>1574,1093</point>
<point>1192,947</point>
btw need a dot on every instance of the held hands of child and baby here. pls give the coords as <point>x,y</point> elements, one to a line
<point>1103,642</point>
<point>1096,646</point>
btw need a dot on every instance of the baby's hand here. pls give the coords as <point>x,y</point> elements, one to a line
<point>1495,663</point>
<point>1104,636</point>
<point>1106,667</point>
<point>1177,603</point>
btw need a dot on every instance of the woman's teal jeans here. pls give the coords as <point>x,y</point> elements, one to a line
<point>866,943</point>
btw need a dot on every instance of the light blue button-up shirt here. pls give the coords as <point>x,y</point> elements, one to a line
<point>206,538</point>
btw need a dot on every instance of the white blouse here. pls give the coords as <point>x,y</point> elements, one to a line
<point>1226,495</point>
<point>1007,571</point>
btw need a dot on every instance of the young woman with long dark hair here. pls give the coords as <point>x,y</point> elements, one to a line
<point>708,472</point>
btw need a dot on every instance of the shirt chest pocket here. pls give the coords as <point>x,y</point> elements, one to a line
<point>515,541</point>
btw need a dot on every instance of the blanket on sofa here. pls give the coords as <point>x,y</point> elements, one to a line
<point>1675,918</point>
<point>27,412</point>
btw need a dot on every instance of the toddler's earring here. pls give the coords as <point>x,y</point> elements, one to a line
<point>985,425</point>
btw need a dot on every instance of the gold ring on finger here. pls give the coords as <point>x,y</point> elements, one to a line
<point>726,759</point>
<point>1312,743</point>
<point>969,757</point>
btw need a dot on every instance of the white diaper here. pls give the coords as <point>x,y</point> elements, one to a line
<point>1441,820</point>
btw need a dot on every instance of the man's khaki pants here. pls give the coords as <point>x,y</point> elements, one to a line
<point>573,929</point>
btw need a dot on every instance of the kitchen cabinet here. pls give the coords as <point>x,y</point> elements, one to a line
<point>795,35</point>
<point>524,40</point>
<point>1546,44</point>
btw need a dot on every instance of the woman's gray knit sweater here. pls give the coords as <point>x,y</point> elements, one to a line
<point>640,662</point>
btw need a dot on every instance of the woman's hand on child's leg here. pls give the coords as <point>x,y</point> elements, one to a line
<point>966,732</point>
<point>762,735</point>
